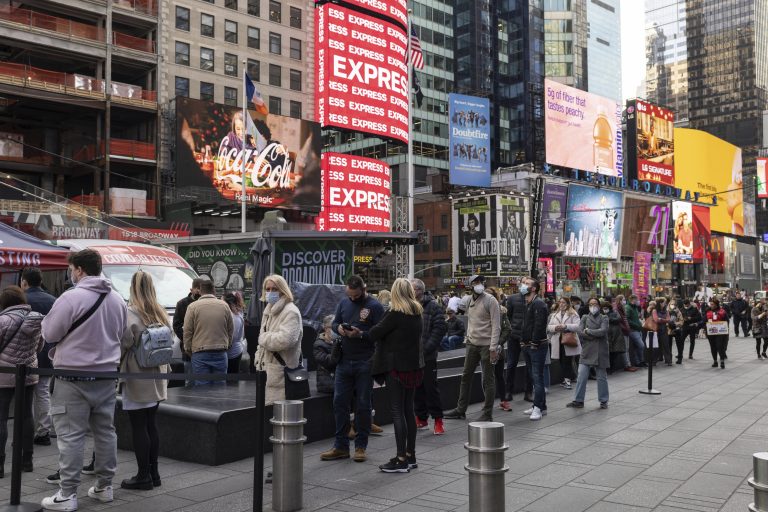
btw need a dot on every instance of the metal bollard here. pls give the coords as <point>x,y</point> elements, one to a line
<point>288,455</point>
<point>759,482</point>
<point>486,466</point>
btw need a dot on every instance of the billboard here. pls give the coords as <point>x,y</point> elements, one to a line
<point>356,194</point>
<point>712,167</point>
<point>651,145</point>
<point>469,140</point>
<point>553,219</point>
<point>314,261</point>
<point>701,232</point>
<point>475,244</point>
<point>362,76</point>
<point>396,10</point>
<point>645,226</point>
<point>515,236</point>
<point>229,266</point>
<point>762,175</point>
<point>593,225</point>
<point>282,162</point>
<point>682,232</point>
<point>583,130</point>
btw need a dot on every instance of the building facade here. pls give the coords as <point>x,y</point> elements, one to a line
<point>604,48</point>
<point>565,42</point>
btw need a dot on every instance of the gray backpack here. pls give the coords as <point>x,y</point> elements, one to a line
<point>155,347</point>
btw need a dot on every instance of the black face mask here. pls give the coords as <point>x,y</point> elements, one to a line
<point>195,296</point>
<point>358,300</point>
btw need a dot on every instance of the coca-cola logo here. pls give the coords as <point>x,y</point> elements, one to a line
<point>271,168</point>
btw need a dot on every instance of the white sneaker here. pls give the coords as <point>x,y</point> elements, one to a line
<point>60,502</point>
<point>528,412</point>
<point>103,494</point>
<point>536,414</point>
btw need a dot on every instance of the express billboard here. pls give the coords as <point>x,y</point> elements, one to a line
<point>282,162</point>
<point>355,193</point>
<point>593,225</point>
<point>583,130</point>
<point>362,76</point>
<point>651,145</point>
<point>396,10</point>
<point>469,140</point>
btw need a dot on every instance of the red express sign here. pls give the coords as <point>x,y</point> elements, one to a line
<point>394,9</point>
<point>356,194</point>
<point>362,78</point>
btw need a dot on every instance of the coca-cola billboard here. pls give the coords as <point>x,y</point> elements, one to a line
<point>282,156</point>
<point>362,77</point>
<point>397,10</point>
<point>356,194</point>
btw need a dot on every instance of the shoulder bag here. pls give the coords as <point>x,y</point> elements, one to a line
<point>296,379</point>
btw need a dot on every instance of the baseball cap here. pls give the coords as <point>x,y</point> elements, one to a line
<point>475,277</point>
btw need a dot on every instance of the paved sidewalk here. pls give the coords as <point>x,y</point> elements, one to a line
<point>687,449</point>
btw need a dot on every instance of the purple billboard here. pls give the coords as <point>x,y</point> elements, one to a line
<point>553,219</point>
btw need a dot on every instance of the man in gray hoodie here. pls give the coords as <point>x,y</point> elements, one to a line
<point>86,324</point>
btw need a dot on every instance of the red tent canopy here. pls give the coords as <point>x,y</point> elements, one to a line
<point>19,250</point>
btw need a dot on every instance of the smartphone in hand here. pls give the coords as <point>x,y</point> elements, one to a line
<point>346,327</point>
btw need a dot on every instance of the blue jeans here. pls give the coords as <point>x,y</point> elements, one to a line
<point>209,362</point>
<point>581,384</point>
<point>451,342</point>
<point>636,348</point>
<point>352,377</point>
<point>537,356</point>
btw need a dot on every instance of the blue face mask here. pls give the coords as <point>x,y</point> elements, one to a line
<point>272,297</point>
<point>524,289</point>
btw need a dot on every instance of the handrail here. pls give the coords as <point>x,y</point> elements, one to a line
<point>63,26</point>
<point>132,42</point>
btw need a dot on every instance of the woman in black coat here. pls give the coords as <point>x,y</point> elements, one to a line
<point>322,349</point>
<point>399,361</point>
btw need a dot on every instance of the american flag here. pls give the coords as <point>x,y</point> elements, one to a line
<point>417,57</point>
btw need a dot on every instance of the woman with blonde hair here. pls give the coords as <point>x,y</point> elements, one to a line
<point>141,398</point>
<point>280,336</point>
<point>384,297</point>
<point>398,360</point>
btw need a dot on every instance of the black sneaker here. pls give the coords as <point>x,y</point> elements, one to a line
<point>42,440</point>
<point>603,405</point>
<point>714,365</point>
<point>454,415</point>
<point>54,478</point>
<point>576,405</point>
<point>395,466</point>
<point>722,364</point>
<point>411,460</point>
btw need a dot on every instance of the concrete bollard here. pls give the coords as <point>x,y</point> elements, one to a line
<point>288,455</point>
<point>759,482</point>
<point>486,466</point>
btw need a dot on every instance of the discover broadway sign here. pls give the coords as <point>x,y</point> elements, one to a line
<point>314,261</point>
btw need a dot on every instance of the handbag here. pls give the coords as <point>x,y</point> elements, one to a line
<point>296,379</point>
<point>569,339</point>
<point>648,324</point>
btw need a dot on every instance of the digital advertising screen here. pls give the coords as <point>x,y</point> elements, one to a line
<point>645,226</point>
<point>651,133</point>
<point>361,73</point>
<point>397,10</point>
<point>593,225</point>
<point>469,140</point>
<point>682,232</point>
<point>475,236</point>
<point>553,219</point>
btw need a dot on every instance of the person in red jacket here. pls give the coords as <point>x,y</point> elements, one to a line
<point>715,317</point>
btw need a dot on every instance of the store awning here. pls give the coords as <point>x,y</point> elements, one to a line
<point>19,250</point>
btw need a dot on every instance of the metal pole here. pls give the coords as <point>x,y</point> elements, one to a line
<point>649,360</point>
<point>759,482</point>
<point>288,455</point>
<point>258,457</point>
<point>411,176</point>
<point>243,189</point>
<point>486,466</point>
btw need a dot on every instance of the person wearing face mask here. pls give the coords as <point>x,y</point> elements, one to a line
<point>483,330</point>
<point>516,315</point>
<point>280,335</point>
<point>716,315</point>
<point>675,329</point>
<point>178,320</point>
<point>616,345</point>
<point>691,324</point>
<point>535,344</point>
<point>661,316</point>
<point>593,331</point>
<point>564,320</point>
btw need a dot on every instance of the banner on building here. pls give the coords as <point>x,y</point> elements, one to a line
<point>282,162</point>
<point>355,194</point>
<point>475,237</point>
<point>469,140</point>
<point>682,230</point>
<point>553,215</point>
<point>514,240</point>
<point>701,232</point>
<point>593,225</point>
<point>361,73</point>
<point>229,266</point>
<point>641,284</point>
<point>651,147</point>
<point>314,261</point>
<point>645,227</point>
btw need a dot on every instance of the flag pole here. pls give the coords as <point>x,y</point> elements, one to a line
<point>243,190</point>
<point>409,61</point>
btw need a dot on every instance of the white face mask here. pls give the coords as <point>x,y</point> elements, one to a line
<point>594,309</point>
<point>479,288</point>
<point>524,289</point>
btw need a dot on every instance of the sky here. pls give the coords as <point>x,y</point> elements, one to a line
<point>632,46</point>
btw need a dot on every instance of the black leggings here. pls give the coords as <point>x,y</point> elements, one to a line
<point>403,418</point>
<point>233,366</point>
<point>146,441</point>
<point>6,396</point>
<point>757,345</point>
<point>566,364</point>
<point>498,374</point>
<point>717,345</point>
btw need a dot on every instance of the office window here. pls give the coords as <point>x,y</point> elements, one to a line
<point>230,4</point>
<point>275,73</point>
<point>206,91</point>
<point>295,49</point>
<point>206,59</point>
<point>295,17</point>
<point>182,18</point>
<point>254,38</point>
<point>182,86</point>
<point>295,80</point>
<point>182,53</point>
<point>440,243</point>
<point>275,43</point>
<point>230,64</point>
<point>444,221</point>
<point>230,31</point>
<point>295,109</point>
<point>254,70</point>
<point>275,105</point>
<point>230,96</point>
<point>206,25</point>
<point>254,7</point>
<point>275,11</point>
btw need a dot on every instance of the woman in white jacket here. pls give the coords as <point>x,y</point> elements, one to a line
<point>564,320</point>
<point>281,331</point>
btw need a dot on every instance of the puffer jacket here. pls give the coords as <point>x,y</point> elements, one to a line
<point>281,331</point>
<point>321,349</point>
<point>759,322</point>
<point>516,314</point>
<point>433,328</point>
<point>25,344</point>
<point>615,335</point>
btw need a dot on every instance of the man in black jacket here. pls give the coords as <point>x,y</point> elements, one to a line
<point>178,320</point>
<point>691,324</point>
<point>40,302</point>
<point>535,343</point>
<point>427,398</point>
<point>516,314</point>
<point>740,312</point>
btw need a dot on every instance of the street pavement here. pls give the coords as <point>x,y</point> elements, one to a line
<point>688,449</point>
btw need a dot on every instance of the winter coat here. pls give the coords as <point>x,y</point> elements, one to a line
<point>434,327</point>
<point>208,325</point>
<point>633,318</point>
<point>506,327</point>
<point>516,315</point>
<point>325,368</point>
<point>455,327</point>
<point>623,322</point>
<point>535,321</point>
<point>759,322</point>
<point>41,302</point>
<point>739,308</point>
<point>675,322</point>
<point>281,331</point>
<point>398,343</point>
<point>593,331</point>
<point>139,390</point>
<point>571,321</point>
<point>25,344</point>
<point>691,318</point>
<point>615,335</point>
